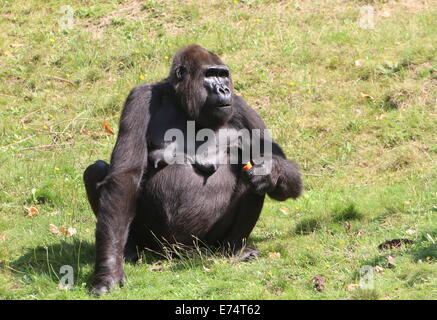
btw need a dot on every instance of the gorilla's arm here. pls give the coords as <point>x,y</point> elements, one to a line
<point>284,180</point>
<point>119,189</point>
<point>285,176</point>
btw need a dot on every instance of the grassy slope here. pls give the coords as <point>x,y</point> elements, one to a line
<point>355,108</point>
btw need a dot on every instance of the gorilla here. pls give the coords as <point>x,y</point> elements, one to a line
<point>158,191</point>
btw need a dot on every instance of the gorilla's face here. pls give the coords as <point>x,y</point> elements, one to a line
<point>217,85</point>
<point>217,108</point>
<point>203,86</point>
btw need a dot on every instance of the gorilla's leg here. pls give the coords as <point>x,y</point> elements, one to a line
<point>134,244</point>
<point>94,174</point>
<point>246,218</point>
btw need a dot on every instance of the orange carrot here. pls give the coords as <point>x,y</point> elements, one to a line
<point>248,166</point>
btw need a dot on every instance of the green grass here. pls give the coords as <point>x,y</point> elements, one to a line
<point>355,108</point>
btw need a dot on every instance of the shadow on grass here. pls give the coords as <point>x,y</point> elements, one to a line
<point>308,225</point>
<point>424,253</point>
<point>424,250</point>
<point>348,213</point>
<point>426,247</point>
<point>200,255</point>
<point>48,260</point>
<point>79,254</point>
<point>391,211</point>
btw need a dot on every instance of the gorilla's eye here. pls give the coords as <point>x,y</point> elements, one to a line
<point>224,73</point>
<point>210,73</point>
<point>217,71</point>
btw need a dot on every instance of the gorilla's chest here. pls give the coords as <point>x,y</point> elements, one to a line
<point>194,194</point>
<point>164,123</point>
<point>175,140</point>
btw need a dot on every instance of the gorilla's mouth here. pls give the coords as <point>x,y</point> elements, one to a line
<point>224,106</point>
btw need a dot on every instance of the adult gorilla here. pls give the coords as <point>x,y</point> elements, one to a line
<point>142,201</point>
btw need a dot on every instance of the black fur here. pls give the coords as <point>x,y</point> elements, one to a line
<point>140,201</point>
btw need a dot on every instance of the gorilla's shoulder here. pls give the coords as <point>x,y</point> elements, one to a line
<point>162,87</point>
<point>244,115</point>
<point>149,94</point>
<point>239,100</point>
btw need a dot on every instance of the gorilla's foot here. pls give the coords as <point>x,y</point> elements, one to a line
<point>104,283</point>
<point>246,254</point>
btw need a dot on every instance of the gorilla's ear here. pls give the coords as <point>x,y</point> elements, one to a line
<point>180,72</point>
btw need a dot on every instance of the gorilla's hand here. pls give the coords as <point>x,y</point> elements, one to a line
<point>160,158</point>
<point>207,163</point>
<point>259,177</point>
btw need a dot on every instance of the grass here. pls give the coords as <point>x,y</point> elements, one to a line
<point>355,108</point>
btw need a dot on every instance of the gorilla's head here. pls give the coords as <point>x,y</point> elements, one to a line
<point>203,85</point>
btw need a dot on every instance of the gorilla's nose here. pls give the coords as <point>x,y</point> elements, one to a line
<point>224,94</point>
